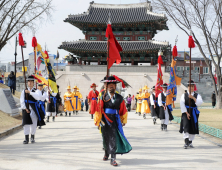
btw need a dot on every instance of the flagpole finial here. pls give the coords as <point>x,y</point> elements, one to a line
<point>160,52</point>
<point>176,40</point>
<point>109,19</point>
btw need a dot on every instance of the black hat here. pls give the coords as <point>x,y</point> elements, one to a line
<point>40,84</point>
<point>191,82</point>
<point>31,78</point>
<point>102,81</point>
<point>110,79</point>
<point>164,85</point>
<point>153,88</point>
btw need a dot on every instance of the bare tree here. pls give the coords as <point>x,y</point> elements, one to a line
<point>204,18</point>
<point>16,15</point>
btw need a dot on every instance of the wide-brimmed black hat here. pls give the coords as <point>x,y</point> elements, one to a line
<point>190,82</point>
<point>31,78</point>
<point>164,85</point>
<point>153,88</point>
<point>110,79</point>
<point>40,84</point>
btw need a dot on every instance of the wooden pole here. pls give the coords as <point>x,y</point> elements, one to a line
<point>190,84</point>
<point>26,95</point>
<point>35,64</point>
<point>107,74</point>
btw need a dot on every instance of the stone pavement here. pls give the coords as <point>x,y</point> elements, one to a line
<point>75,143</point>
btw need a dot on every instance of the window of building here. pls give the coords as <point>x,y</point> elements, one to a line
<point>105,39</point>
<point>197,69</point>
<point>93,38</point>
<point>187,68</point>
<point>141,38</point>
<point>118,38</point>
<point>205,70</point>
<point>179,68</point>
<point>126,38</point>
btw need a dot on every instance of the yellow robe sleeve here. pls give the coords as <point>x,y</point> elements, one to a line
<point>123,118</point>
<point>97,118</point>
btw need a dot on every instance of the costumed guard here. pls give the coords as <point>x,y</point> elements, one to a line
<point>112,111</point>
<point>139,102</point>
<point>164,111</point>
<point>30,116</point>
<point>68,98</point>
<point>41,101</point>
<point>189,120</point>
<point>145,108</point>
<point>154,105</point>
<point>77,96</point>
<point>51,105</point>
<point>92,99</point>
<point>58,101</point>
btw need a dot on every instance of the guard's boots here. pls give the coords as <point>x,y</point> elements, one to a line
<point>190,144</point>
<point>113,160</point>
<point>47,119</point>
<point>40,127</point>
<point>76,112</point>
<point>165,127</point>
<point>53,118</point>
<point>73,112</point>
<point>32,138</point>
<point>136,113</point>
<point>69,114</point>
<point>91,116</point>
<point>161,126</point>
<point>186,143</point>
<point>61,114</point>
<point>144,116</point>
<point>65,113</point>
<point>154,121</point>
<point>139,114</point>
<point>26,141</point>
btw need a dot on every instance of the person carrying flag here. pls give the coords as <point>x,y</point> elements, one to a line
<point>68,97</point>
<point>51,105</point>
<point>92,99</point>
<point>154,105</point>
<point>164,110</point>
<point>190,114</point>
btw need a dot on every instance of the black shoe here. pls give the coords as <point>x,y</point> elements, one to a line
<point>69,114</point>
<point>136,113</point>
<point>162,127</point>
<point>113,162</point>
<point>105,158</point>
<point>144,116</point>
<point>186,143</point>
<point>61,114</point>
<point>154,121</point>
<point>76,112</point>
<point>65,113</point>
<point>165,127</point>
<point>32,138</point>
<point>40,127</point>
<point>73,112</point>
<point>91,116</point>
<point>26,141</point>
<point>47,119</point>
<point>190,144</point>
<point>53,118</point>
<point>139,114</point>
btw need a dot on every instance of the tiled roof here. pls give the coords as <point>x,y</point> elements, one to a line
<point>128,13</point>
<point>101,46</point>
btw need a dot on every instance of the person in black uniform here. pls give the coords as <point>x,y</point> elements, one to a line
<point>51,105</point>
<point>165,112</point>
<point>58,101</point>
<point>154,105</point>
<point>113,115</point>
<point>31,116</point>
<point>189,118</point>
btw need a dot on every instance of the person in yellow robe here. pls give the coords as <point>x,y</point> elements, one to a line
<point>77,96</point>
<point>68,97</point>
<point>145,109</point>
<point>139,102</point>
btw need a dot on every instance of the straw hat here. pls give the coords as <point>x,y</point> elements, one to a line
<point>145,87</point>
<point>75,87</point>
<point>68,88</point>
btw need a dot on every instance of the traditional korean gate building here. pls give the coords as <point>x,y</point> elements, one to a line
<point>134,26</point>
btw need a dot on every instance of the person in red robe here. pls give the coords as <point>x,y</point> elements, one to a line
<point>92,99</point>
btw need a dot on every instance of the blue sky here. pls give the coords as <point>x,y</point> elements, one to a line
<point>54,32</point>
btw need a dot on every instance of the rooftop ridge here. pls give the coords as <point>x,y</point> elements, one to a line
<point>113,6</point>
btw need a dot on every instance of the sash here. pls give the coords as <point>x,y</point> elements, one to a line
<point>70,102</point>
<point>54,100</point>
<point>76,101</point>
<point>168,106</point>
<point>94,98</point>
<point>195,112</point>
<point>41,105</point>
<point>36,107</point>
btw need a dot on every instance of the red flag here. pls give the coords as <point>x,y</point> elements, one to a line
<point>159,81</point>
<point>34,42</point>
<point>191,43</point>
<point>114,47</point>
<point>174,52</point>
<point>21,42</point>
<point>46,54</point>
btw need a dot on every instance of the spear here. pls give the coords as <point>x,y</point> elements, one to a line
<point>34,45</point>
<point>21,43</point>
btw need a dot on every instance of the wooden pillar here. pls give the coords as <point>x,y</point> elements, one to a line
<point>84,62</point>
<point>132,61</point>
<point>80,61</point>
<point>152,61</point>
<point>98,61</point>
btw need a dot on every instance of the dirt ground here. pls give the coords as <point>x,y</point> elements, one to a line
<point>7,122</point>
<point>210,117</point>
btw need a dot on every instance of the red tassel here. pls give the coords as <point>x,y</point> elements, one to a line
<point>21,42</point>
<point>174,53</point>
<point>160,60</point>
<point>46,54</point>
<point>34,42</point>
<point>191,43</point>
<point>118,79</point>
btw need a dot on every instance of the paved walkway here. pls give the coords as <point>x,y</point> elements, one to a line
<point>75,143</point>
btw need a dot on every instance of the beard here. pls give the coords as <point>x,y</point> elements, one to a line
<point>111,90</point>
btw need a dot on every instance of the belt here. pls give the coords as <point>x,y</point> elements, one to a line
<point>54,100</point>
<point>119,124</point>
<point>146,99</point>
<point>76,101</point>
<point>42,105</point>
<point>94,98</point>
<point>168,106</point>
<point>70,102</point>
<point>195,112</point>
<point>36,107</point>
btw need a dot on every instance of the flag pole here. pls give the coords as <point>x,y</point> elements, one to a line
<point>109,22</point>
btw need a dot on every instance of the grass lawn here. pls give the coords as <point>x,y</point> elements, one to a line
<point>210,117</point>
<point>7,122</point>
